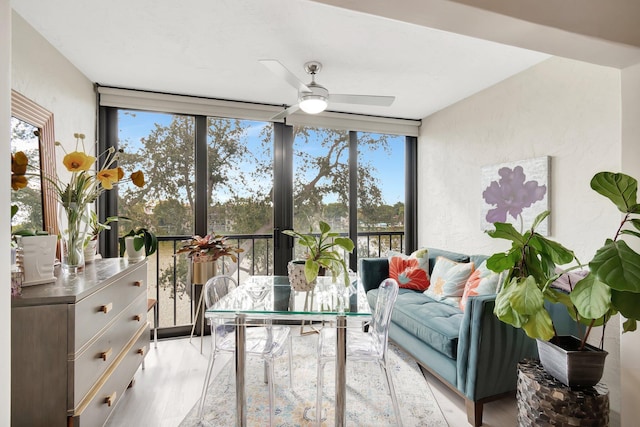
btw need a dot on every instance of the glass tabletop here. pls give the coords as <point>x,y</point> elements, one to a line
<point>272,296</point>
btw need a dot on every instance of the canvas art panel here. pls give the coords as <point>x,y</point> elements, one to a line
<point>516,192</point>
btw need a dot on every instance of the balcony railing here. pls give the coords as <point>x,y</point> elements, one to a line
<point>169,275</point>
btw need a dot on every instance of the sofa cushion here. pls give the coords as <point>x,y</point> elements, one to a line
<point>448,279</point>
<point>411,272</point>
<point>434,253</point>
<point>434,323</point>
<point>481,282</point>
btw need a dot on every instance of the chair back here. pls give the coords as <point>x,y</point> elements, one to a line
<point>387,294</point>
<point>217,287</point>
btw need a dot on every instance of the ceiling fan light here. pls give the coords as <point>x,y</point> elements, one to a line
<point>313,104</point>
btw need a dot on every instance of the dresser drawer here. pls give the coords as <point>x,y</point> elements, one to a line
<point>96,311</point>
<point>102,402</point>
<point>88,366</point>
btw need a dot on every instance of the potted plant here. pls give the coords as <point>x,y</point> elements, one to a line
<point>612,284</point>
<point>138,243</point>
<point>322,252</point>
<point>204,252</point>
<point>95,228</point>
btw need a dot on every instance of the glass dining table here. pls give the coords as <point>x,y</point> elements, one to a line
<point>271,299</point>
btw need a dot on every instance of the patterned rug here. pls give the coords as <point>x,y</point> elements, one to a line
<point>368,403</point>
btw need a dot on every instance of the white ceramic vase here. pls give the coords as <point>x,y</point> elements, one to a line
<point>132,254</point>
<point>38,254</point>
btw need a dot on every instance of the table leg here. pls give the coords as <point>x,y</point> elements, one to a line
<point>241,413</point>
<point>341,365</point>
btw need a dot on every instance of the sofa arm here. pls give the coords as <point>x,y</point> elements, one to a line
<point>489,351</point>
<point>372,271</point>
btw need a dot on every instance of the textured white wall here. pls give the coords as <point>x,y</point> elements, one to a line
<point>562,108</point>
<point>43,75</point>
<point>565,109</point>
<point>630,342</point>
<point>5,294</point>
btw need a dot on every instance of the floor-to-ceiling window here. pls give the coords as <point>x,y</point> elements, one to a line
<point>210,174</point>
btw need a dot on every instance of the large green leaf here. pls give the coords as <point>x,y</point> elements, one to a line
<point>502,261</point>
<point>630,233</point>
<point>591,297</point>
<point>324,227</point>
<point>621,189</point>
<point>558,253</point>
<point>538,219</point>
<point>617,265</point>
<point>635,222</point>
<point>506,231</point>
<point>503,309</point>
<point>563,298</point>
<point>345,243</point>
<point>526,298</point>
<point>627,303</point>
<point>539,326</point>
<point>630,325</point>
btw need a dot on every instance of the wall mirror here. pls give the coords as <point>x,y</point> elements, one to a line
<point>32,132</point>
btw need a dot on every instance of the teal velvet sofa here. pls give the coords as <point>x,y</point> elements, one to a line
<point>472,352</point>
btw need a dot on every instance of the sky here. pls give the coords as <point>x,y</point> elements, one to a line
<point>390,168</point>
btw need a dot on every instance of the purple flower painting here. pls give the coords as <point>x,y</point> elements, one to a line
<point>516,194</point>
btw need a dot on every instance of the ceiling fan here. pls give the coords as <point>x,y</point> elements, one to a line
<point>314,98</point>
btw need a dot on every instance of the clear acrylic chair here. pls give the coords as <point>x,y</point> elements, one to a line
<point>268,342</point>
<point>370,346</point>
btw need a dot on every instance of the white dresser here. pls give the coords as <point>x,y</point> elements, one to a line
<point>77,343</point>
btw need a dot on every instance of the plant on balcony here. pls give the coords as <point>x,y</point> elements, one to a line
<point>323,252</point>
<point>210,248</point>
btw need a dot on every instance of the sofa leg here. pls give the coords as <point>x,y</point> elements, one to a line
<point>474,412</point>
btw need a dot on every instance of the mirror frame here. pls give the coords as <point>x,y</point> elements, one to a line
<point>28,111</point>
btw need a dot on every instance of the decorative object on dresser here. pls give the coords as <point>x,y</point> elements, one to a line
<point>35,257</point>
<point>95,228</point>
<point>77,343</point>
<point>82,190</point>
<point>138,244</point>
<point>610,285</point>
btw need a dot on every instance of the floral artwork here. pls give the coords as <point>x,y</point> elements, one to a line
<point>516,193</point>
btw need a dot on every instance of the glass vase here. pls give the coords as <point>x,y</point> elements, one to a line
<point>73,223</point>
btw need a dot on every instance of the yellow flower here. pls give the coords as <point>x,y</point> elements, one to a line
<point>108,177</point>
<point>78,161</point>
<point>138,179</point>
<point>120,173</point>
<point>18,182</point>
<point>19,163</point>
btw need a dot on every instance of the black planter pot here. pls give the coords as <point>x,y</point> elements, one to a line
<point>561,358</point>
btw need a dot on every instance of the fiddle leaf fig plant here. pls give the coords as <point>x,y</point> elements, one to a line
<point>323,253</point>
<point>611,286</point>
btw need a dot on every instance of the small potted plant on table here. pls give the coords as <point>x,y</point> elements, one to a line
<point>324,252</point>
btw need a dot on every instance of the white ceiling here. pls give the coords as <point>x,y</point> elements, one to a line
<point>211,48</point>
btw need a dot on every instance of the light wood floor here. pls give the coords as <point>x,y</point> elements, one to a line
<point>171,383</point>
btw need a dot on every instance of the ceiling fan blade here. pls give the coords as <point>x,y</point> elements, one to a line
<point>281,71</point>
<point>341,98</point>
<point>287,112</point>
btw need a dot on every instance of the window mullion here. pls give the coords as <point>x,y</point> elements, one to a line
<point>201,178</point>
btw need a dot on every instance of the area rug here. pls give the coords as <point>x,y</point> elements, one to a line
<point>368,403</point>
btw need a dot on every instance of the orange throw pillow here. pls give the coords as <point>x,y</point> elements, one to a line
<point>411,272</point>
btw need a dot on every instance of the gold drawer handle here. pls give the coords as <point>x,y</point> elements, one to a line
<point>142,351</point>
<point>137,317</point>
<point>106,308</point>
<point>106,354</point>
<point>110,400</point>
<point>138,283</point>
